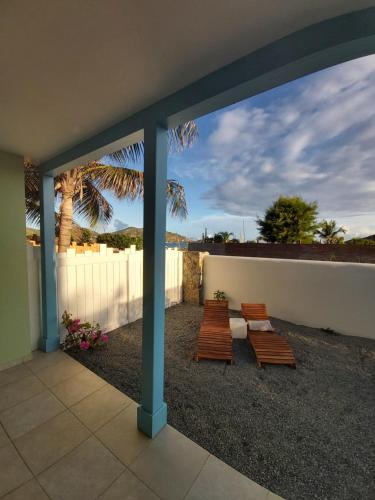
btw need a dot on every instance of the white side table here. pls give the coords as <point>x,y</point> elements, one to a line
<point>238,327</point>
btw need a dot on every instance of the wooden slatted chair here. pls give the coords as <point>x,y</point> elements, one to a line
<point>215,338</point>
<point>268,346</point>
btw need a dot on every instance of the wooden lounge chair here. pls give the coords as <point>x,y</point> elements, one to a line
<point>215,338</point>
<point>268,346</point>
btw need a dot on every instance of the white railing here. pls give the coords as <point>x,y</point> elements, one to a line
<point>103,287</point>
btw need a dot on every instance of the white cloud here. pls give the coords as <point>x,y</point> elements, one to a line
<point>317,141</point>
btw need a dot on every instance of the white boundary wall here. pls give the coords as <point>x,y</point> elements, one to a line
<point>335,295</point>
<point>105,287</point>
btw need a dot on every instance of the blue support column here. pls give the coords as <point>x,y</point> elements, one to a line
<point>50,335</point>
<point>152,413</point>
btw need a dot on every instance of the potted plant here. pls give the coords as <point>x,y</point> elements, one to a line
<point>220,295</point>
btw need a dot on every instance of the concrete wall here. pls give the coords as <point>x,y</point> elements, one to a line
<point>14,313</point>
<point>335,295</point>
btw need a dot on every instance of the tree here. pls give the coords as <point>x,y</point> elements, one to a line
<point>120,241</point>
<point>85,235</point>
<point>80,190</point>
<point>329,232</point>
<point>289,220</point>
<point>222,237</point>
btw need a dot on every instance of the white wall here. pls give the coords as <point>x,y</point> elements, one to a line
<point>333,295</point>
<point>103,287</point>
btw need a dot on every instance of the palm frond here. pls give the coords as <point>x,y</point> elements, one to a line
<point>129,183</point>
<point>122,182</point>
<point>180,137</point>
<point>129,155</point>
<point>183,136</point>
<point>32,202</point>
<point>176,199</point>
<point>91,204</point>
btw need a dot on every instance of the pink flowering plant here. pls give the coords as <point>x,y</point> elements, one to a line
<point>82,336</point>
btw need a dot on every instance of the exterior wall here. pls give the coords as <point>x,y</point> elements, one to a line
<point>102,287</point>
<point>340,296</point>
<point>14,313</point>
<point>332,253</point>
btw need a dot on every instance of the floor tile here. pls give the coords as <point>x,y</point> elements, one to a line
<point>100,407</point>
<point>13,374</point>
<point>218,481</point>
<point>29,491</point>
<point>64,369</point>
<point>83,474</point>
<point>170,464</point>
<point>45,359</point>
<point>128,487</point>
<point>74,389</point>
<point>13,472</point>
<point>49,442</point>
<point>30,413</point>
<point>4,440</point>
<point>16,392</point>
<point>122,437</point>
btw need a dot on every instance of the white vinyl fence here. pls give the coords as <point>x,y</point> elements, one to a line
<point>103,287</point>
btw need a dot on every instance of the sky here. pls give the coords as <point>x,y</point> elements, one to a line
<point>314,137</point>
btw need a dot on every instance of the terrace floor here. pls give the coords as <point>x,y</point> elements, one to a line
<point>67,434</point>
<point>305,433</point>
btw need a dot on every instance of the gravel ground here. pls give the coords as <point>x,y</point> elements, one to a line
<point>304,434</point>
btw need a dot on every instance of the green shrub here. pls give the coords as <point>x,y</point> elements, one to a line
<point>219,295</point>
<point>120,241</point>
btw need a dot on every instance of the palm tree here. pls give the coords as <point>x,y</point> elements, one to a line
<point>80,190</point>
<point>224,236</point>
<point>329,232</point>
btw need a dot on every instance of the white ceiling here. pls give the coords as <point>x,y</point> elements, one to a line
<point>70,68</point>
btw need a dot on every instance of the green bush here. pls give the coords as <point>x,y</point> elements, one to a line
<point>120,241</point>
<point>219,295</point>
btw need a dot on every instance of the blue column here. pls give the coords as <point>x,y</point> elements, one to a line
<point>50,335</point>
<point>152,413</point>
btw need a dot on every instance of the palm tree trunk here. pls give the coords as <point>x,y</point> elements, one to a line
<point>66,222</point>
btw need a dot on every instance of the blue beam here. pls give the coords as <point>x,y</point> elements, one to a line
<point>50,336</point>
<point>311,49</point>
<point>152,414</point>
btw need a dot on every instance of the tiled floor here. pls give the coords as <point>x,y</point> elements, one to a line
<point>67,434</point>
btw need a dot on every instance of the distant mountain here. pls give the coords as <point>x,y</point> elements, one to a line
<point>138,231</point>
<point>129,231</point>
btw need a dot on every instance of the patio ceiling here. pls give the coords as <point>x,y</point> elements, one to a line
<point>70,69</point>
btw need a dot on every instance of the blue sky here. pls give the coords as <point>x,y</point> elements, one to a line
<point>314,137</point>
